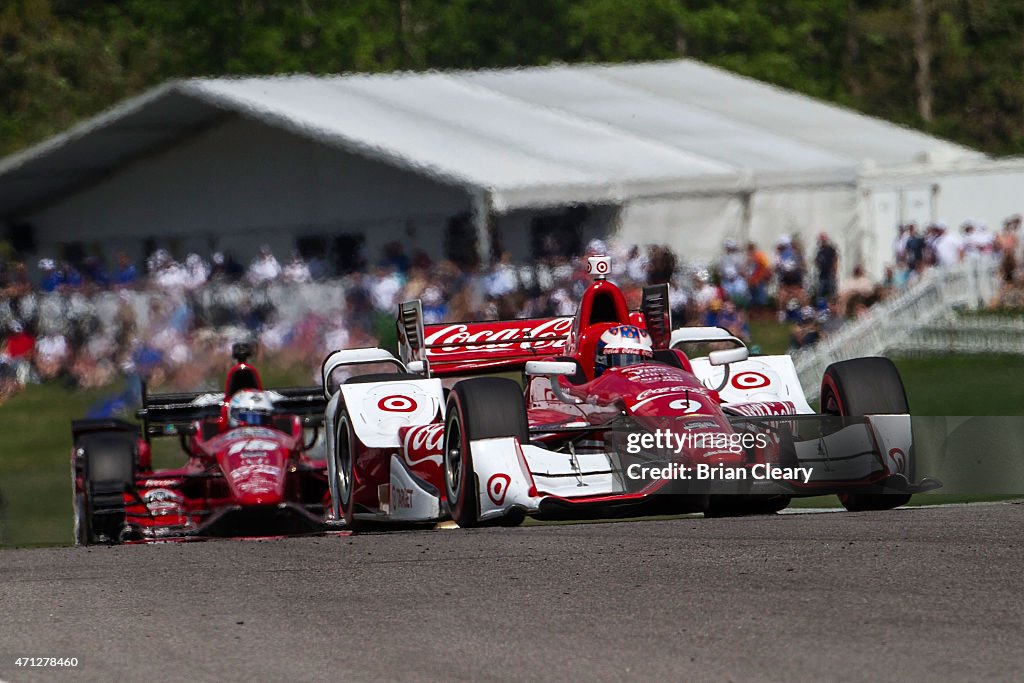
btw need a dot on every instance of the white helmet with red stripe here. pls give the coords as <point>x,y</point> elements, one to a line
<point>620,346</point>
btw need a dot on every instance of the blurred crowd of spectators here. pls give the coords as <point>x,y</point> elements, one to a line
<point>916,250</point>
<point>167,322</point>
<point>807,291</point>
<point>790,284</point>
<point>171,322</point>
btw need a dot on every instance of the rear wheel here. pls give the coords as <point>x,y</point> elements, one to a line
<point>865,386</point>
<point>108,462</point>
<point>479,408</point>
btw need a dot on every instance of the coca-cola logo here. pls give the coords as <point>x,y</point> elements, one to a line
<point>675,389</point>
<point>687,403</point>
<point>424,444</point>
<point>460,337</point>
<point>427,437</point>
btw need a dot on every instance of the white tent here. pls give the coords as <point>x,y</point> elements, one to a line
<point>688,153</point>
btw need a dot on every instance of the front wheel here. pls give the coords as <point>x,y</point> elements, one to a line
<point>737,506</point>
<point>108,463</point>
<point>867,502</point>
<point>478,408</point>
<point>865,386</point>
<point>344,469</point>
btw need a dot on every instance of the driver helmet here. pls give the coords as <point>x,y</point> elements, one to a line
<point>250,407</point>
<point>620,346</point>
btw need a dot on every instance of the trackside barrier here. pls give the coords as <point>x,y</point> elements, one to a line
<point>913,322</point>
<point>965,335</point>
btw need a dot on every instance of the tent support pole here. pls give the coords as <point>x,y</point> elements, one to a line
<point>748,213</point>
<point>483,222</point>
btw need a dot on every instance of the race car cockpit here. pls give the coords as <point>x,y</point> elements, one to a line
<point>250,407</point>
<point>621,346</point>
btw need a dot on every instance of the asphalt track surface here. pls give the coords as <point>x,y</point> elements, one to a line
<point>915,594</point>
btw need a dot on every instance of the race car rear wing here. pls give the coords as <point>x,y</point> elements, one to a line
<point>654,305</point>
<point>468,347</point>
<point>106,424</point>
<point>169,414</point>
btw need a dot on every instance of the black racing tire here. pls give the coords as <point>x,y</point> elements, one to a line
<point>83,529</point>
<point>479,408</point>
<point>344,469</point>
<point>739,506</point>
<point>109,464</point>
<point>869,502</point>
<point>865,386</point>
<point>678,503</point>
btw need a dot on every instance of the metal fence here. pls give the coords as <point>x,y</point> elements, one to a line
<point>920,319</point>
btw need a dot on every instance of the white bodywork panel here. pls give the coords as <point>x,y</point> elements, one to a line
<point>405,499</point>
<point>894,437</point>
<point>504,479</point>
<point>379,409</point>
<point>755,380</point>
<point>348,357</point>
<point>857,450</point>
<point>854,451</point>
<point>582,474</point>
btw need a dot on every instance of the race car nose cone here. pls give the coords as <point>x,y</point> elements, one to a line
<point>255,471</point>
<point>253,498</point>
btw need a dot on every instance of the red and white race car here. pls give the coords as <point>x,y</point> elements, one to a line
<point>249,468</point>
<point>614,420</point>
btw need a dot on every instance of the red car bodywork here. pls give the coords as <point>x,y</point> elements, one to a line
<point>391,458</point>
<point>236,481</point>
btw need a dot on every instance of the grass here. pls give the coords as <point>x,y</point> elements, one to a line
<point>964,385</point>
<point>35,465</point>
<point>770,337</point>
<point>34,461</point>
<point>919,500</point>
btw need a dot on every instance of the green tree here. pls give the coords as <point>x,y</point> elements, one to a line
<point>950,67</point>
<point>54,72</point>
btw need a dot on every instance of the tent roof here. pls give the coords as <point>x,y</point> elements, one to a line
<point>529,137</point>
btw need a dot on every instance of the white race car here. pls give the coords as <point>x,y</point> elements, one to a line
<point>611,419</point>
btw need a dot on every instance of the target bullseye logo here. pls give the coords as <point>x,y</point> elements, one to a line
<point>599,265</point>
<point>750,380</point>
<point>397,404</point>
<point>497,487</point>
